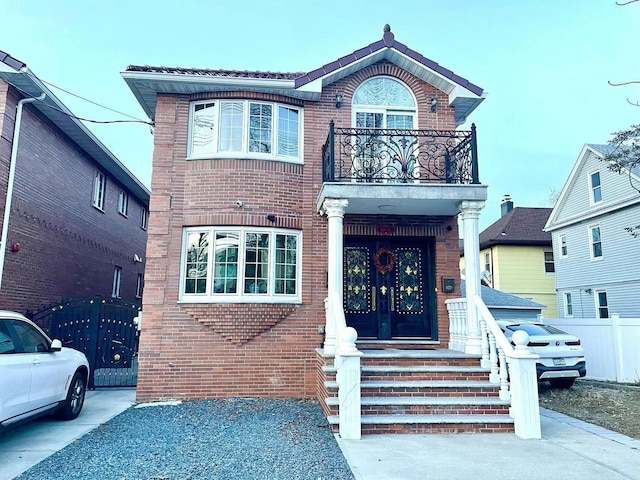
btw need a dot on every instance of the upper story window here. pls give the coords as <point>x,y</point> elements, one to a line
<point>144,219</point>
<point>245,128</point>
<point>596,242</point>
<point>596,189</point>
<point>99,188</point>
<point>562,240</point>
<point>123,203</point>
<point>549,265</point>
<point>241,265</point>
<point>383,102</point>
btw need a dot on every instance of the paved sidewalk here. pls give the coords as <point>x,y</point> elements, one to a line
<point>29,444</point>
<point>570,449</point>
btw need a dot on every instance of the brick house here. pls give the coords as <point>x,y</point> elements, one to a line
<point>77,218</point>
<point>284,202</point>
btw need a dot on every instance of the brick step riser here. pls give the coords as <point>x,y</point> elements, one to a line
<point>434,410</point>
<point>427,410</point>
<point>419,362</point>
<point>430,428</point>
<point>424,376</point>
<point>428,392</point>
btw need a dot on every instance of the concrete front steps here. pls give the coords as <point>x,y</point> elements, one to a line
<point>421,391</point>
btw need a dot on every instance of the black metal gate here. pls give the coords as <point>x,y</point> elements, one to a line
<point>104,330</point>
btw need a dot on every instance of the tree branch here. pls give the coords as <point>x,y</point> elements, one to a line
<point>635,104</point>
<point>622,4</point>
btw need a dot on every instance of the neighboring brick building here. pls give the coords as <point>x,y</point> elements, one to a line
<point>78,218</point>
<point>259,201</point>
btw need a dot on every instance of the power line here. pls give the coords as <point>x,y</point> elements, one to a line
<point>90,101</point>
<point>71,115</point>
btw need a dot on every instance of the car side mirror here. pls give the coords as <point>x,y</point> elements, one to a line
<point>56,346</point>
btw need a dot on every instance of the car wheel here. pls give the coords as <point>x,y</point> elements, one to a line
<point>72,405</point>
<point>562,382</point>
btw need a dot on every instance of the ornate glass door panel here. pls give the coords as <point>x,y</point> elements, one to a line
<point>408,316</point>
<point>358,305</point>
<point>388,288</point>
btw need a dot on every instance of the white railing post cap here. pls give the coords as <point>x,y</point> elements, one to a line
<point>521,339</point>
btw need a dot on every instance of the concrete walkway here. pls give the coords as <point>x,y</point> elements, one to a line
<point>29,444</point>
<point>570,449</point>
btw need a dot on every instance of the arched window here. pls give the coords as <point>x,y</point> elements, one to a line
<point>384,91</point>
<point>383,102</point>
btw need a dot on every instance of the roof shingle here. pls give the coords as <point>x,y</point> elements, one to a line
<point>521,226</point>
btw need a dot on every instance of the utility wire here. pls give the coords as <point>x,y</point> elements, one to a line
<point>90,101</point>
<point>71,115</point>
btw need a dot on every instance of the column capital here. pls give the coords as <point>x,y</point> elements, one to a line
<point>471,209</point>
<point>334,207</point>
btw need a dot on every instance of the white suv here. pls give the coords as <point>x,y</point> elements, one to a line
<point>37,374</point>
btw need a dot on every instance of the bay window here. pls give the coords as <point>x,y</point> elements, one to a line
<point>244,127</point>
<point>241,265</point>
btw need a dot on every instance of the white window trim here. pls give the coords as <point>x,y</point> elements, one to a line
<point>245,154</point>
<point>99,190</point>
<point>239,297</point>
<point>123,203</point>
<point>564,301</point>
<point>597,302</point>
<point>560,241</point>
<point>553,262</point>
<point>117,282</point>
<point>601,257</point>
<point>592,200</point>
<point>139,285</point>
<point>144,219</point>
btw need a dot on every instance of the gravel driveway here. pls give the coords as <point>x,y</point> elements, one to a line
<point>213,439</point>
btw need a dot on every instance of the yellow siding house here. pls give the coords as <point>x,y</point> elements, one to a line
<point>516,256</point>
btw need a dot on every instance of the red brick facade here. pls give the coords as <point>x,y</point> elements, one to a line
<point>193,351</point>
<point>67,247</point>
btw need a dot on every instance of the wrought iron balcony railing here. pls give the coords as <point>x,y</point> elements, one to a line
<point>400,156</point>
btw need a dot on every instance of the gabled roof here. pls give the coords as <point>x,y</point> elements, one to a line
<point>17,74</point>
<point>147,81</point>
<point>600,151</point>
<point>497,299</point>
<point>521,226</point>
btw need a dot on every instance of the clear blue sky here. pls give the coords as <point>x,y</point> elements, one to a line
<point>544,63</point>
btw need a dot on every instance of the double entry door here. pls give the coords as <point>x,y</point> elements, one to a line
<point>389,287</point>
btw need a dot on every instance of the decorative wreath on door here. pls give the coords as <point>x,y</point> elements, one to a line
<point>377,260</point>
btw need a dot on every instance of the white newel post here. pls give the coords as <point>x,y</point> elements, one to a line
<point>525,408</point>
<point>348,378</point>
<point>334,209</point>
<point>469,213</point>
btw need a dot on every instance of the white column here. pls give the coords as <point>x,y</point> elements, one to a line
<point>334,209</point>
<point>469,213</point>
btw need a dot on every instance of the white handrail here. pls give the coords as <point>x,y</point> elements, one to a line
<point>514,368</point>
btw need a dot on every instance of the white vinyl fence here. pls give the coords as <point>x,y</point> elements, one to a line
<point>611,345</point>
